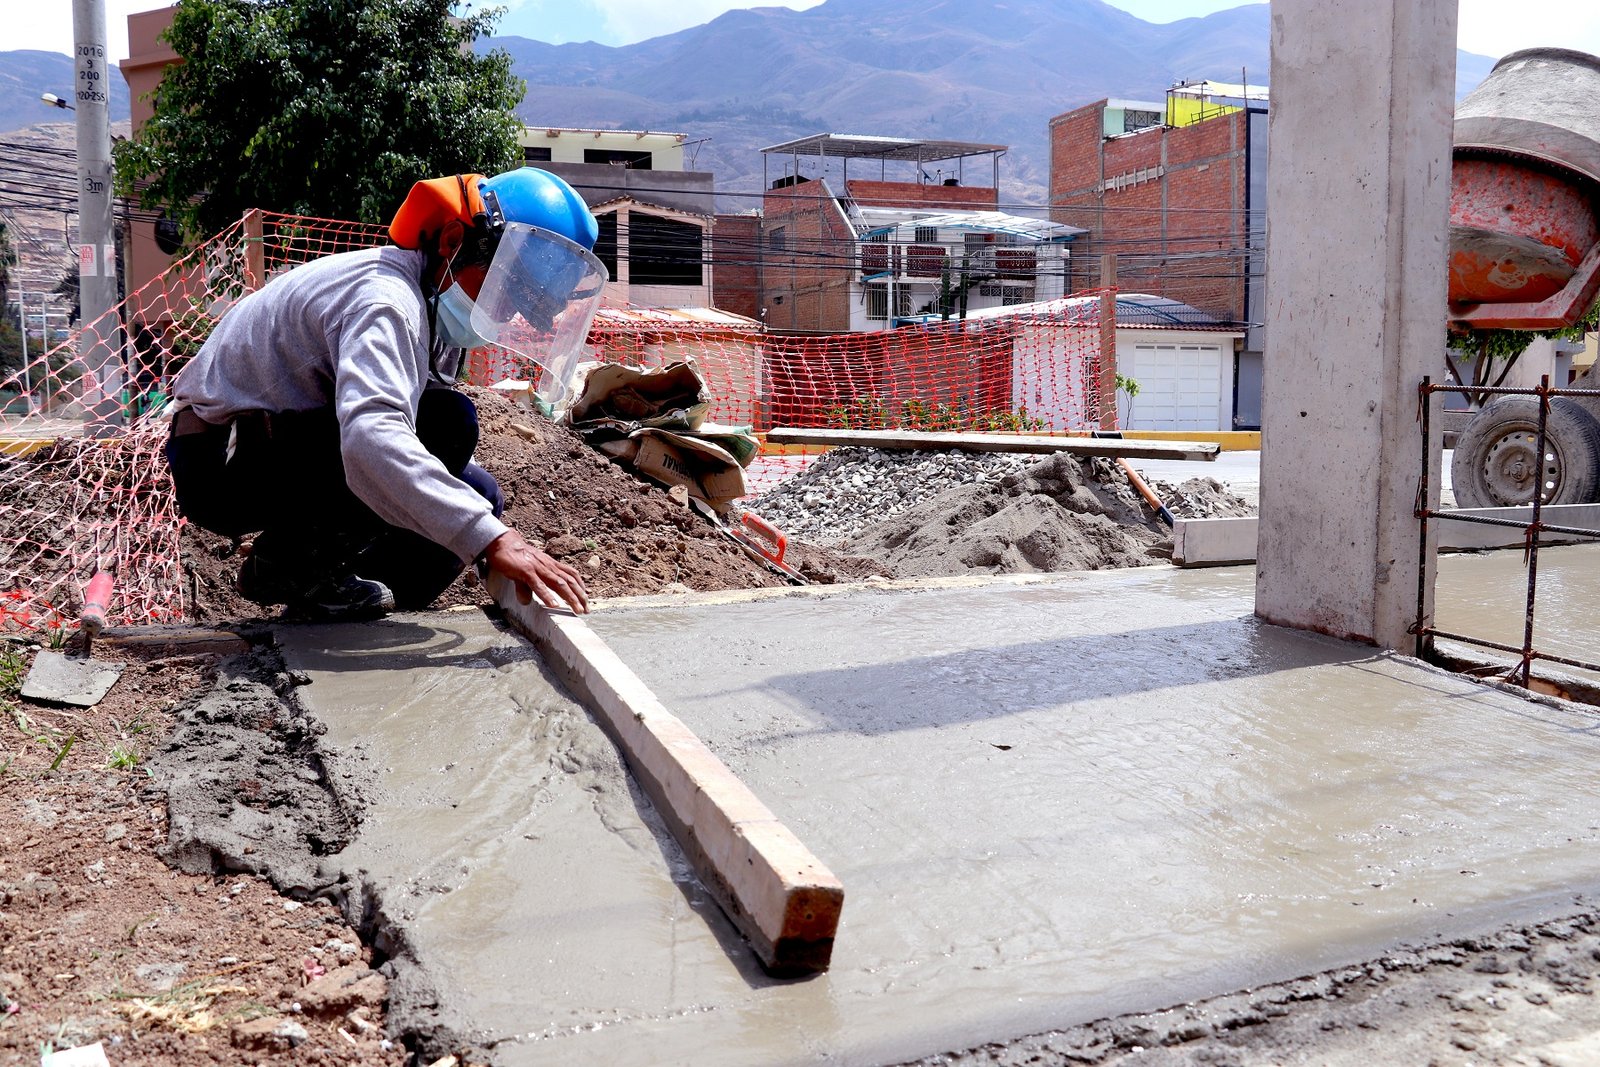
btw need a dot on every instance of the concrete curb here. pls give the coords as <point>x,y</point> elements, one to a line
<point>1219,542</point>
<point>777,893</point>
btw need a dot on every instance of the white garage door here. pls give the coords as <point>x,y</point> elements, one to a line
<point>1180,387</point>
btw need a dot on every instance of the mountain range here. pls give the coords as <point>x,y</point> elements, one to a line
<point>991,71</point>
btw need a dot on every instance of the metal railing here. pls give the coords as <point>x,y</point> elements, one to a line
<point>1522,673</point>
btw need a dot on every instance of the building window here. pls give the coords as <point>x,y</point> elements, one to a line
<point>536,155</point>
<point>664,251</point>
<point>631,160</point>
<point>926,235</point>
<point>777,239</point>
<point>878,302</point>
<point>1136,119</point>
<point>605,246</point>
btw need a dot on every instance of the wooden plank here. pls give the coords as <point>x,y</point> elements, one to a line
<point>779,895</point>
<point>996,442</point>
<point>176,640</point>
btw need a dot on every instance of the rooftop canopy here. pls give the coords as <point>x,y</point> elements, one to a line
<point>858,146</point>
<point>897,220</point>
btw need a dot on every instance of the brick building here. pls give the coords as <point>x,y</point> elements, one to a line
<point>839,253</point>
<point>1176,190</point>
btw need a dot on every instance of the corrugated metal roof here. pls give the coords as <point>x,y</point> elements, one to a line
<point>638,318</point>
<point>629,198</point>
<point>864,146</point>
<point>885,220</point>
<point>1222,89</point>
<point>1134,310</point>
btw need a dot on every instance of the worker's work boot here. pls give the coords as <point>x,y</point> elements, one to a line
<point>314,577</point>
<point>346,599</point>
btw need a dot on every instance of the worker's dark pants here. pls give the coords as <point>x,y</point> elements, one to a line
<point>286,482</point>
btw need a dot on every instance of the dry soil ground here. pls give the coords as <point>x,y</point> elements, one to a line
<point>102,940</point>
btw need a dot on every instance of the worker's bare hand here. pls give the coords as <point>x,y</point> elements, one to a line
<point>537,574</point>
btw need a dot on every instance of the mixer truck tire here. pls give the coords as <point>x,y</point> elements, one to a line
<point>1497,464</point>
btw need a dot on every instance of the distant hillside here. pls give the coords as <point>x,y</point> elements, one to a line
<point>993,71</point>
<point>26,74</point>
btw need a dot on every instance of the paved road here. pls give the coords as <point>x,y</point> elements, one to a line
<point>1239,471</point>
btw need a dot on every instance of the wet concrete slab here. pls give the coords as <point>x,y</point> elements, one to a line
<point>1485,595</point>
<point>1049,802</point>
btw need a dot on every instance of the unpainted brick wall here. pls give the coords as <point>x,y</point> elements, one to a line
<point>735,240</point>
<point>807,282</point>
<point>870,193</point>
<point>1179,234</point>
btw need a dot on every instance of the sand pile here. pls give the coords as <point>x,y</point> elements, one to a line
<point>925,514</point>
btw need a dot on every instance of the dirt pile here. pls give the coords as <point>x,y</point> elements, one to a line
<point>930,514</point>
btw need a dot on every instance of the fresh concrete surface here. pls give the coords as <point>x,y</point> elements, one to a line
<point>1049,802</point>
<point>1486,596</point>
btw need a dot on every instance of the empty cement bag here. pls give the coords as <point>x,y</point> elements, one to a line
<point>673,396</point>
<point>706,470</point>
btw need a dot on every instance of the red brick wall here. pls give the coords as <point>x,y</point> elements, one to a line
<point>806,283</point>
<point>911,194</point>
<point>735,282</point>
<point>1176,234</point>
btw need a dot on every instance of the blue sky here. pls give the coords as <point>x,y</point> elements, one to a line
<point>1488,27</point>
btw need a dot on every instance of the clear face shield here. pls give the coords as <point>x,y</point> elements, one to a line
<point>538,298</point>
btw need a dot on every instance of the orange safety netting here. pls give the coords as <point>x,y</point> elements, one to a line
<point>83,486</point>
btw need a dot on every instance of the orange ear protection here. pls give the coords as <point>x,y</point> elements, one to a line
<point>446,217</point>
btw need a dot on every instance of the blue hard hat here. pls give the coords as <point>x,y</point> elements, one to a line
<point>536,197</point>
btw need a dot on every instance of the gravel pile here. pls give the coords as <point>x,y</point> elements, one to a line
<point>1201,498</point>
<point>850,490</point>
<point>951,513</point>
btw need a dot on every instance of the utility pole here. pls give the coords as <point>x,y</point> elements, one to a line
<point>100,343</point>
<point>22,322</point>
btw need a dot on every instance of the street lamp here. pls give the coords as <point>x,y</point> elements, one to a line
<point>55,101</point>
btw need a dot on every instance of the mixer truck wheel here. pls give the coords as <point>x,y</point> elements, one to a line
<point>1497,462</point>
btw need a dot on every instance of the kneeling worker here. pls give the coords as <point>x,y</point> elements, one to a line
<point>320,414</point>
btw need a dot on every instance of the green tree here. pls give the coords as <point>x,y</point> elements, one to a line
<point>10,338</point>
<point>329,108</point>
<point>1495,352</point>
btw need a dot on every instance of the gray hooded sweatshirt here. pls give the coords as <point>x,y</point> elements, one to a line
<point>350,330</point>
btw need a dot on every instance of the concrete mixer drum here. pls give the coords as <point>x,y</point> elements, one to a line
<point>1525,255</point>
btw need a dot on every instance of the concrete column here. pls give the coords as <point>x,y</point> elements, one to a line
<point>1357,216</point>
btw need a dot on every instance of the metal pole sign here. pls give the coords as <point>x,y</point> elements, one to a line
<point>100,344</point>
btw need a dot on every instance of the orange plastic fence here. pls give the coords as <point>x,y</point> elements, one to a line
<point>83,486</point>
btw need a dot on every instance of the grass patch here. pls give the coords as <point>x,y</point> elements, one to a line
<point>189,1008</point>
<point>13,669</point>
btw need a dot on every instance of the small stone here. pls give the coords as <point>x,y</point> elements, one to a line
<point>116,832</point>
<point>344,988</point>
<point>159,977</point>
<point>269,1034</point>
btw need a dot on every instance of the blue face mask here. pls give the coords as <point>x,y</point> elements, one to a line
<point>453,313</point>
